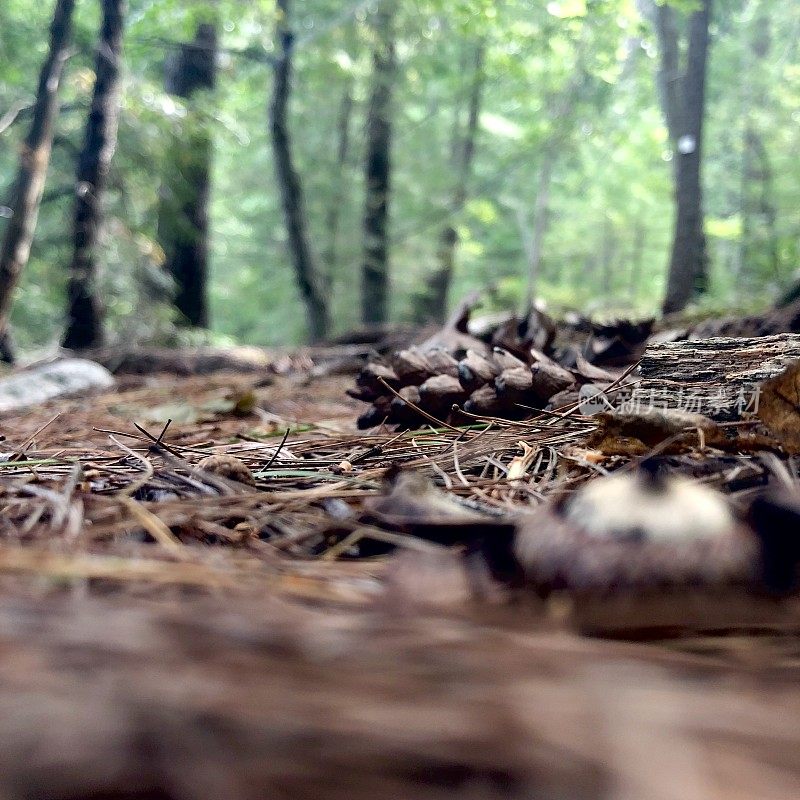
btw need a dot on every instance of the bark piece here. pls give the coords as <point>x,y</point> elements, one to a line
<point>720,377</point>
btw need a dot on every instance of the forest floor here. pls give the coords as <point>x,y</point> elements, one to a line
<point>176,630</point>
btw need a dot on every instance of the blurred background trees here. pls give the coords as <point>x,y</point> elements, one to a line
<point>527,150</point>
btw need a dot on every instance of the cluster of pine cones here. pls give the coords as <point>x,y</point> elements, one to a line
<point>506,371</point>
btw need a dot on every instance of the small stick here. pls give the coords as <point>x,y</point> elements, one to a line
<point>275,454</point>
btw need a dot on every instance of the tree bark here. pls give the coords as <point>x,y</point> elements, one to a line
<point>433,307</point>
<point>84,315</point>
<point>183,213</point>
<point>305,263</point>
<point>375,267</point>
<point>32,170</point>
<point>688,261</point>
<point>719,377</point>
<point>669,77</point>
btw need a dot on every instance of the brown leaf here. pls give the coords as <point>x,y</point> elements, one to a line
<point>636,434</point>
<point>779,406</point>
<point>228,467</point>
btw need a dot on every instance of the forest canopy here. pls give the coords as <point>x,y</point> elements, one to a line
<point>402,153</point>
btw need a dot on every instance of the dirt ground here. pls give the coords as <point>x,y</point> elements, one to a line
<point>168,633</point>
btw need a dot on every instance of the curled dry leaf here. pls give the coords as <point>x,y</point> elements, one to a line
<point>228,467</point>
<point>636,434</point>
<point>779,406</point>
<point>520,464</point>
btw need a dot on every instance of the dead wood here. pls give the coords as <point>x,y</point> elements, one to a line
<point>718,377</point>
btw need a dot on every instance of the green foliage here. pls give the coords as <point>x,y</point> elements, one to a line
<point>573,78</point>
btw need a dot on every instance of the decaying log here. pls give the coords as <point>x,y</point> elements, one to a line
<point>717,377</point>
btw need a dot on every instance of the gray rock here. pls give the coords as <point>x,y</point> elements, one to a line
<point>36,385</point>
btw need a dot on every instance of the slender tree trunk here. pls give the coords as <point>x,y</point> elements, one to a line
<point>670,76</point>
<point>375,267</point>
<point>305,264</point>
<point>84,315</point>
<point>637,258</point>
<point>338,180</point>
<point>688,270</point>
<point>464,153</point>
<point>183,212</point>
<point>758,241</point>
<point>541,207</point>
<point>32,170</point>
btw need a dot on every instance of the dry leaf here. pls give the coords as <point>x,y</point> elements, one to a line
<point>228,467</point>
<point>779,406</point>
<point>636,434</point>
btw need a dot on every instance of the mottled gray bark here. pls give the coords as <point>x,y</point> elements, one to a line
<point>84,313</point>
<point>183,214</point>
<point>305,263</point>
<point>688,269</point>
<point>32,172</point>
<point>378,170</point>
<point>432,306</point>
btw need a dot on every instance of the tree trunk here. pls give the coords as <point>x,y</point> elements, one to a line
<point>541,207</point>
<point>335,209</point>
<point>688,264</point>
<point>305,264</point>
<point>637,259</point>
<point>375,267</point>
<point>669,76</point>
<point>84,316</point>
<point>32,171</point>
<point>183,213</point>
<point>433,306</point>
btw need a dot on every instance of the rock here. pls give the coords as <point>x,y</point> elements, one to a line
<point>38,384</point>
